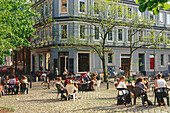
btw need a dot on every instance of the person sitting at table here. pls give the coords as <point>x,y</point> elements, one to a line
<point>81,80</point>
<point>146,82</point>
<point>139,83</point>
<point>117,81</point>
<point>12,83</point>
<point>67,81</point>
<point>70,84</point>
<point>16,84</point>
<point>92,83</point>
<point>121,83</point>
<point>60,82</point>
<point>158,84</point>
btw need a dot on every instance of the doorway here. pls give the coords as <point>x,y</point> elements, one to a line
<point>33,63</point>
<point>141,62</point>
<point>63,62</point>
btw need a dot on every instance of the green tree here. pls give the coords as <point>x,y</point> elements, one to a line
<point>15,25</point>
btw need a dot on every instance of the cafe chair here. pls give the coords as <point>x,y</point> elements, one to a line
<point>152,85</point>
<point>161,93</point>
<point>24,88</point>
<point>70,92</point>
<point>123,95</point>
<point>97,84</point>
<point>138,93</point>
<point>60,90</point>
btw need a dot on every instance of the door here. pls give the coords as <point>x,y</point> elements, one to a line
<point>33,63</point>
<point>141,62</point>
<point>63,63</point>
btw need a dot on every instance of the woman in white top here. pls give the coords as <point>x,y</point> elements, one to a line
<point>121,84</point>
<point>158,84</point>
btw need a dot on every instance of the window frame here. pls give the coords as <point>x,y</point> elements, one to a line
<point>162,16</point>
<point>60,33</point>
<point>162,65</point>
<point>95,33</point>
<point>89,60</point>
<point>167,19</point>
<point>118,35</point>
<point>60,1</point>
<point>112,57</point>
<point>84,31</point>
<point>85,6</point>
<point>111,35</point>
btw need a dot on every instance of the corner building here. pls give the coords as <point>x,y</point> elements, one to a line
<point>46,53</point>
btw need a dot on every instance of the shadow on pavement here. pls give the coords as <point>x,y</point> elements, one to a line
<point>43,100</point>
<point>118,108</point>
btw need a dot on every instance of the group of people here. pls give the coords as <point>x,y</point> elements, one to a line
<point>66,85</point>
<point>12,84</point>
<point>143,83</point>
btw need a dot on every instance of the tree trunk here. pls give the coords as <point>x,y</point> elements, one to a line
<point>15,61</point>
<point>129,67</point>
<point>104,69</point>
<point>23,56</point>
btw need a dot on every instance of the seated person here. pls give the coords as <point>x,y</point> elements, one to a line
<point>116,82</point>
<point>60,82</point>
<point>139,83</point>
<point>12,83</point>
<point>81,80</point>
<point>92,82</point>
<point>158,84</point>
<point>146,82</point>
<point>67,81</point>
<point>70,84</point>
<point>121,84</point>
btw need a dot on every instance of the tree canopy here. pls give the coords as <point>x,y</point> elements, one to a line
<point>15,25</point>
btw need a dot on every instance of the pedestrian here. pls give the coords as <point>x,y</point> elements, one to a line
<point>65,73</point>
<point>56,73</point>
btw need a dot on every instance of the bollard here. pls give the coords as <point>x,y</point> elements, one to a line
<point>107,84</point>
<point>30,83</point>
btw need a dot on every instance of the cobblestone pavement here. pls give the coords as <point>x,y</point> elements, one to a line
<point>101,101</point>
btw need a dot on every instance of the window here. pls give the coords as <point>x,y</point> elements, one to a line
<point>49,8</point>
<point>63,5</point>
<point>152,62</point>
<point>151,16</point>
<point>168,58</point>
<point>40,62</point>
<point>110,58</point>
<point>82,31</point>
<point>63,31</point>
<point>83,62</point>
<point>125,58</point>
<point>139,15</point>
<point>168,36</point>
<point>82,5</point>
<point>168,19</point>
<point>120,35</point>
<point>129,34</point>
<point>162,59</point>
<point>129,12</point>
<point>96,33</point>
<point>120,12</point>
<point>96,8</point>
<point>42,11</point>
<point>46,9</point>
<point>110,35</point>
<point>161,17</point>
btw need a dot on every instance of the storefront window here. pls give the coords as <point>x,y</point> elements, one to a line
<point>152,57</point>
<point>125,58</point>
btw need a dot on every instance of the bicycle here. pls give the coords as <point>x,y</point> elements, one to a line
<point>46,84</point>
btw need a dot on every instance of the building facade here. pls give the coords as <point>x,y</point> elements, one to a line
<point>56,18</point>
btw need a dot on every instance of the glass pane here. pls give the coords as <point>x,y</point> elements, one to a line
<point>82,6</point>
<point>110,58</point>
<point>82,31</point>
<point>83,62</point>
<point>110,35</point>
<point>162,59</point>
<point>96,33</point>
<point>120,34</point>
<point>64,31</point>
